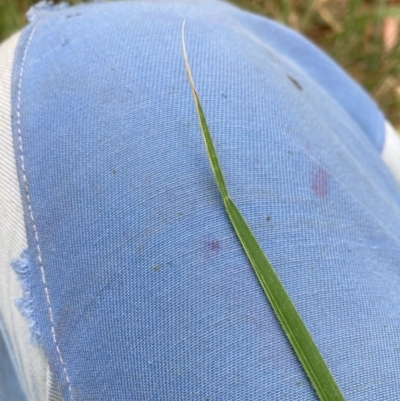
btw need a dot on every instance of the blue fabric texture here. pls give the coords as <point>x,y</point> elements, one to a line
<point>10,389</point>
<point>140,289</point>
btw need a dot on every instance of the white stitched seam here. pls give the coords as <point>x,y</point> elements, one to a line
<point>28,199</point>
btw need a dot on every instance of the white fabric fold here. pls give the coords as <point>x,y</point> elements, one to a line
<point>29,361</point>
<point>391,151</point>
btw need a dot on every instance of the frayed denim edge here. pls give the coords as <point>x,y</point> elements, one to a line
<point>23,267</point>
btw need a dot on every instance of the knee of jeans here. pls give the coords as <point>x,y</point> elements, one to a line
<point>133,280</point>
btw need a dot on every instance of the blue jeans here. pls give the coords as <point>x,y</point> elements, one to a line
<point>121,277</point>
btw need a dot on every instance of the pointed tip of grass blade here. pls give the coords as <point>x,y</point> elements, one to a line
<point>185,56</point>
<point>204,127</point>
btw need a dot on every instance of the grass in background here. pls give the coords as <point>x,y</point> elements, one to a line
<point>359,34</point>
<point>11,17</point>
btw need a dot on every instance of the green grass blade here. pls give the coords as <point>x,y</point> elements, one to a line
<point>290,320</point>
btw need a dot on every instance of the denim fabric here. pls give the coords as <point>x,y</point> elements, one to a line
<point>138,286</point>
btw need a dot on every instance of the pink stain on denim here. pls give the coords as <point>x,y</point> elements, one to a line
<point>320,182</point>
<point>214,245</point>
